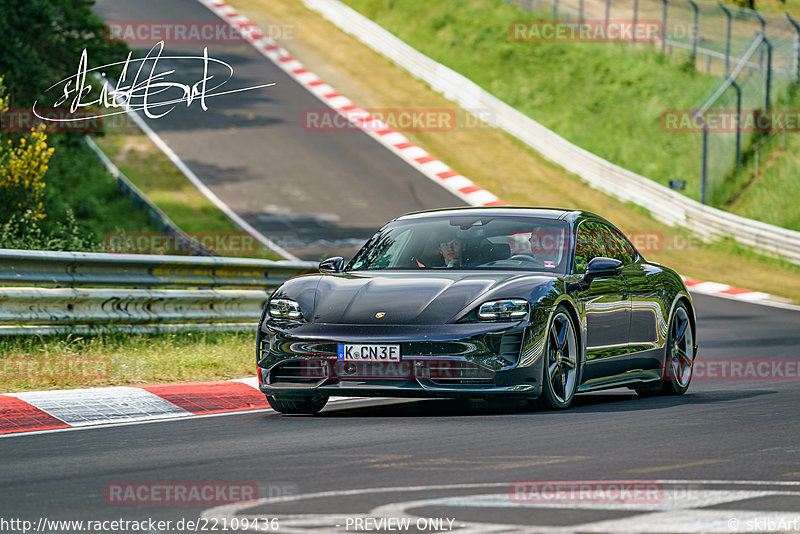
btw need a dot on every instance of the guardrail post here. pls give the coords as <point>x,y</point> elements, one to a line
<point>580,12</point>
<point>608,11</point>
<point>727,36</point>
<point>663,25</point>
<point>796,49</point>
<point>695,27</point>
<point>635,17</point>
<point>555,9</point>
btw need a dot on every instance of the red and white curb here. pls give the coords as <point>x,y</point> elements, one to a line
<point>55,410</point>
<point>417,157</point>
<point>716,289</point>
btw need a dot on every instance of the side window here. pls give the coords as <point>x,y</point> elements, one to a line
<point>617,246</point>
<point>589,244</point>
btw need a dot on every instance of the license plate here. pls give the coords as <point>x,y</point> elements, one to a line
<point>369,353</point>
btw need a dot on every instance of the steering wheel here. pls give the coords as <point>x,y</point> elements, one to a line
<point>524,257</point>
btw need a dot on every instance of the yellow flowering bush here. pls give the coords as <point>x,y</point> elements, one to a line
<point>22,167</point>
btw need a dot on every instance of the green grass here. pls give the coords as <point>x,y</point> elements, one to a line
<point>771,6</point>
<point>605,98</point>
<point>152,172</point>
<point>771,197</point>
<point>60,362</point>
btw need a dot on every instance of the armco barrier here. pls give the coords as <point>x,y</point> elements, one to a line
<point>83,306</point>
<point>127,306</point>
<point>663,203</point>
<point>21,267</point>
<point>161,219</point>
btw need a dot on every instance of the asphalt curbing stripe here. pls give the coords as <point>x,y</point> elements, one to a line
<point>45,410</point>
<point>716,289</point>
<point>17,416</point>
<point>210,397</point>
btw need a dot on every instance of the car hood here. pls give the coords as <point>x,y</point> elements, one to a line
<point>421,298</point>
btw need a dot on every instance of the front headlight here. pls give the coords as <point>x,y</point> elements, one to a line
<point>503,309</point>
<point>284,309</point>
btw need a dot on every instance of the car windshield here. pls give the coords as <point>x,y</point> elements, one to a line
<point>467,242</point>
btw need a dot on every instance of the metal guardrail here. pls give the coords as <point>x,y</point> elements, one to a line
<point>72,269</point>
<point>128,291</point>
<point>664,204</point>
<point>69,306</point>
<point>157,215</point>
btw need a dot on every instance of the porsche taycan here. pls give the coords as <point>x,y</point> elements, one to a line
<point>530,304</point>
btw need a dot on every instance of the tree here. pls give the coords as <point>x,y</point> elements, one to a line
<point>43,41</point>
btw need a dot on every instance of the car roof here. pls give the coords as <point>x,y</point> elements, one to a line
<point>571,216</point>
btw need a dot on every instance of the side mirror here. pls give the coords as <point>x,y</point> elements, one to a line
<point>601,266</point>
<point>332,265</point>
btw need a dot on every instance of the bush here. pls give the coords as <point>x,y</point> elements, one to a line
<point>22,167</point>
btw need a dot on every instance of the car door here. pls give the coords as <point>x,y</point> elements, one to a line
<point>646,309</point>
<point>607,306</point>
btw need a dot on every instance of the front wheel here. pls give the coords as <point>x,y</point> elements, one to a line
<point>560,374</point>
<point>297,405</point>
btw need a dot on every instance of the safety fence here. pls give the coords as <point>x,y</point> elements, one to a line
<point>715,35</point>
<point>82,292</point>
<point>756,56</point>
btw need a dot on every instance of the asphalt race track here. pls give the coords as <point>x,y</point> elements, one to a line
<point>312,192</point>
<point>455,460</point>
<point>723,458</point>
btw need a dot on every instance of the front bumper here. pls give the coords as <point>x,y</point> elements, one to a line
<point>453,360</point>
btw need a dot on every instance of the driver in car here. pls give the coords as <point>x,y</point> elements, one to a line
<point>453,252</point>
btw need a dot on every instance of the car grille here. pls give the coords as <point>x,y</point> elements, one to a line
<point>297,372</point>
<point>451,373</point>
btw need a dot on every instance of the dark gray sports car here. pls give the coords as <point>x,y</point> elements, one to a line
<point>532,304</point>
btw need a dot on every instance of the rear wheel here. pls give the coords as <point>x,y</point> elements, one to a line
<point>560,374</point>
<point>679,358</point>
<point>297,405</point>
